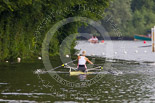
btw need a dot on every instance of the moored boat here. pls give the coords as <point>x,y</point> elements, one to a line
<point>142,37</point>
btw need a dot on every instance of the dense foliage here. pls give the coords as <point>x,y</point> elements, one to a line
<point>24,24</point>
<point>130,17</point>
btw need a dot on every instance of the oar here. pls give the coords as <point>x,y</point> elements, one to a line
<point>145,46</point>
<point>95,68</point>
<point>62,65</point>
<point>98,66</point>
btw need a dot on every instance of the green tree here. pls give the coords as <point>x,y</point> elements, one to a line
<point>143,15</point>
<point>120,14</point>
<point>20,19</point>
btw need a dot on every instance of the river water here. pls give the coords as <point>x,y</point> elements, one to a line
<point>20,82</point>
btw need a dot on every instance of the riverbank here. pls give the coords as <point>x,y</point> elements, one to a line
<point>111,38</point>
<point>123,50</point>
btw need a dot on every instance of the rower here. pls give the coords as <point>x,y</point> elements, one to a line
<point>95,39</point>
<point>91,39</point>
<point>82,62</point>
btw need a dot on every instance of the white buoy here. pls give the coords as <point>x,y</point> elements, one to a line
<point>67,56</point>
<point>136,51</point>
<point>115,52</point>
<point>18,60</point>
<point>145,51</point>
<point>125,52</point>
<point>6,61</point>
<point>92,54</point>
<point>39,58</point>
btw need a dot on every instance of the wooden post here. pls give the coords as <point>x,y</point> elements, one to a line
<point>153,39</point>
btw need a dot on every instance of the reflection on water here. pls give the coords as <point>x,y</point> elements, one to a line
<point>82,77</point>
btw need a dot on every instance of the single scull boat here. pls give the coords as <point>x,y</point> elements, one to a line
<point>74,71</point>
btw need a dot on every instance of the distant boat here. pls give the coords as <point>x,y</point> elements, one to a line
<point>142,37</point>
<point>94,39</point>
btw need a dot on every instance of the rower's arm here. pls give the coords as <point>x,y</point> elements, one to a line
<point>78,57</point>
<point>89,61</point>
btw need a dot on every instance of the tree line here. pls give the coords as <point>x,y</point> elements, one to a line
<point>131,17</point>
<point>20,19</point>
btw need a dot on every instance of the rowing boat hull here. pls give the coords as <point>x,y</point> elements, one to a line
<point>142,37</point>
<point>79,72</point>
